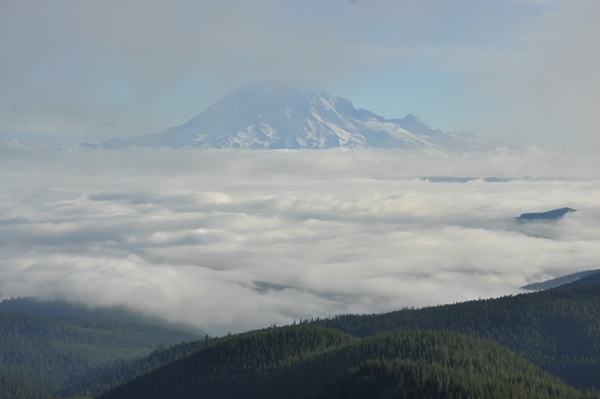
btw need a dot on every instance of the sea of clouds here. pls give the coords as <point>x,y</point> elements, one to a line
<point>230,240</point>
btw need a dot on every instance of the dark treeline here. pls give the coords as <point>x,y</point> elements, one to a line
<point>17,388</point>
<point>401,378</point>
<point>305,361</point>
<point>66,310</point>
<point>557,329</point>
<point>120,371</point>
<point>462,351</point>
<point>43,355</point>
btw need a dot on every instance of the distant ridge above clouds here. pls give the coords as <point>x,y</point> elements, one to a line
<point>293,114</point>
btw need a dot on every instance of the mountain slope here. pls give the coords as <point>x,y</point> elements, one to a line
<point>302,361</point>
<point>557,329</point>
<point>561,281</point>
<point>119,372</point>
<point>293,114</point>
<point>552,215</point>
<point>592,279</point>
<point>46,346</point>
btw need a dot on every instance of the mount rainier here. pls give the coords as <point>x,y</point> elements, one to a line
<point>292,114</point>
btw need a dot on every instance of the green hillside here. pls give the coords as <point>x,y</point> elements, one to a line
<point>14,387</point>
<point>68,310</point>
<point>47,346</point>
<point>310,361</point>
<point>401,378</point>
<point>557,329</point>
<point>524,346</point>
<point>560,281</point>
<point>592,279</point>
<point>121,371</point>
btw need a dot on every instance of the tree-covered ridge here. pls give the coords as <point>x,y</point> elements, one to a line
<point>304,360</point>
<point>549,215</point>
<point>244,360</point>
<point>68,310</point>
<point>557,329</point>
<point>432,352</point>
<point>401,378</point>
<point>16,388</point>
<point>592,279</point>
<point>48,353</point>
<point>120,371</point>
<point>560,281</point>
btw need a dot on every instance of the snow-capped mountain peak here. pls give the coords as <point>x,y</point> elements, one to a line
<point>295,114</point>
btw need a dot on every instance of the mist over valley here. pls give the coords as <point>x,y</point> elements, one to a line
<point>230,240</point>
<point>303,200</point>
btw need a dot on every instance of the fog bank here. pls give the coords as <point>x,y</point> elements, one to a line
<point>233,240</point>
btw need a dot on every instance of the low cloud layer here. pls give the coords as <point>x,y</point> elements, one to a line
<point>233,240</point>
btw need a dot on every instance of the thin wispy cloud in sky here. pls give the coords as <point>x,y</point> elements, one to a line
<point>232,240</point>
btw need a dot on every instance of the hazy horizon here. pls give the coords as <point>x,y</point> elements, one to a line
<point>517,71</point>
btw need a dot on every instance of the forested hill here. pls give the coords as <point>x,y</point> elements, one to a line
<point>306,361</point>
<point>562,281</point>
<point>593,279</point>
<point>557,329</point>
<point>121,371</point>
<point>524,346</point>
<point>64,309</point>
<point>45,347</point>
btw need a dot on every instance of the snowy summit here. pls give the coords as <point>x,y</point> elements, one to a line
<point>293,114</point>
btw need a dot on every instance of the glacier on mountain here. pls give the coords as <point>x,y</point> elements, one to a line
<point>293,114</point>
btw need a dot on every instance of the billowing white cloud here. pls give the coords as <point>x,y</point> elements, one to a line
<point>232,240</point>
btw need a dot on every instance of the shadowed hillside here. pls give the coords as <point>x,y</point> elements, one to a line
<point>306,360</point>
<point>47,346</point>
<point>557,329</point>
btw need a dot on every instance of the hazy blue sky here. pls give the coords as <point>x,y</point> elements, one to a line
<point>521,71</point>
